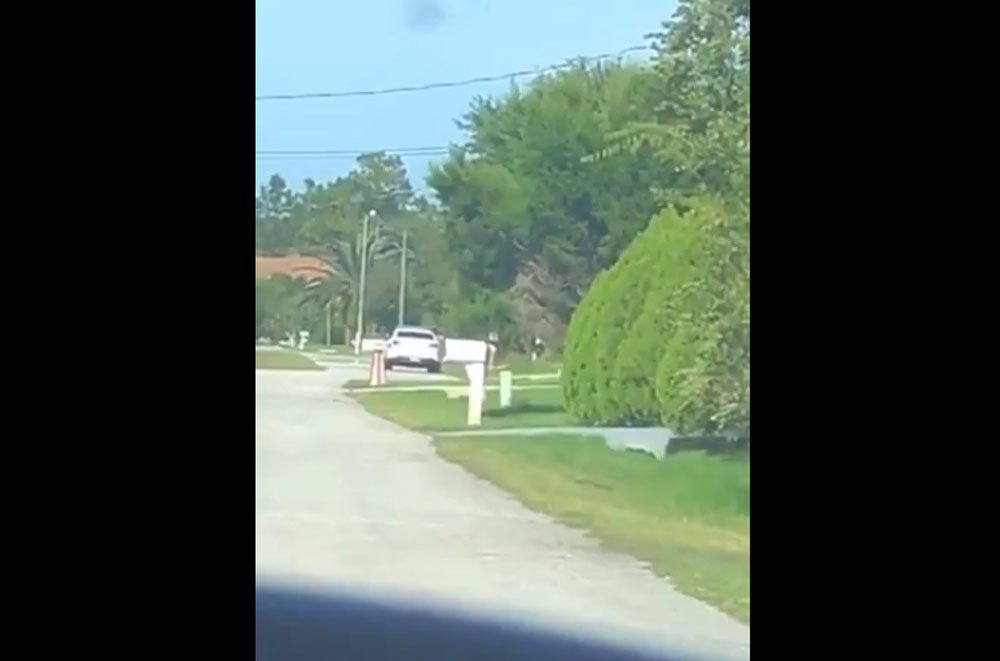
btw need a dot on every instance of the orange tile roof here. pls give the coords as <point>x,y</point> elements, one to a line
<point>296,266</point>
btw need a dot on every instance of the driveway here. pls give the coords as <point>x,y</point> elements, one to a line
<point>349,501</point>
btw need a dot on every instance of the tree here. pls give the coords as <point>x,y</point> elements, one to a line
<point>275,216</point>
<point>663,335</point>
<point>278,312</point>
<point>380,183</point>
<point>431,282</point>
<point>337,287</point>
<point>580,361</point>
<point>332,212</point>
<point>324,220</point>
<point>527,216</point>
<point>701,129</point>
<point>709,390</point>
<point>696,319</point>
<point>645,342</point>
<point>597,330</point>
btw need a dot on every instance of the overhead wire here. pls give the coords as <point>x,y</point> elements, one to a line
<point>332,152</point>
<point>450,84</point>
<point>335,154</point>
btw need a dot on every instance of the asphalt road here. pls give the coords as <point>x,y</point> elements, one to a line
<point>348,501</point>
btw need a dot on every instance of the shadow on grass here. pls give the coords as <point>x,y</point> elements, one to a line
<point>520,409</point>
<point>354,384</point>
<point>711,445</point>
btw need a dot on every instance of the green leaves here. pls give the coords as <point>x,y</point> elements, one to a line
<point>700,129</point>
<point>684,356</point>
<point>325,221</point>
<point>658,337</point>
<point>526,213</point>
<point>278,307</point>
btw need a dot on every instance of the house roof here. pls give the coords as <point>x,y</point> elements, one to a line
<point>295,266</point>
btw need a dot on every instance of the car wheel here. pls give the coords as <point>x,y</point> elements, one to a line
<point>434,369</point>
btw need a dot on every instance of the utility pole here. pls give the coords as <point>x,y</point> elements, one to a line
<point>402,281</point>
<point>328,312</point>
<point>361,286</point>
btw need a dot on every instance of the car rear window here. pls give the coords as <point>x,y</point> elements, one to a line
<point>415,334</point>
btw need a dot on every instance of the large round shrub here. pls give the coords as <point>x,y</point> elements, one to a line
<point>664,334</point>
<point>703,380</point>
<point>674,240</point>
<point>595,331</point>
<point>626,294</point>
<point>578,366</point>
<point>589,351</point>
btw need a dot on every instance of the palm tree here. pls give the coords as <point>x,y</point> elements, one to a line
<point>335,288</point>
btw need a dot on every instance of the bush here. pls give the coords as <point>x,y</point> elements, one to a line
<point>278,310</point>
<point>705,387</point>
<point>597,329</point>
<point>664,334</point>
<point>628,290</point>
<point>674,240</point>
<point>579,384</point>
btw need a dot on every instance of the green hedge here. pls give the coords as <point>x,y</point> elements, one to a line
<point>663,336</point>
<point>595,330</point>
<point>674,239</point>
<point>579,384</point>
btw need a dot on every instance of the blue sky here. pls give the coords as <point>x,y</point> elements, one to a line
<point>331,45</point>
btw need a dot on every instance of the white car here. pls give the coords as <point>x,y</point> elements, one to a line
<point>412,346</point>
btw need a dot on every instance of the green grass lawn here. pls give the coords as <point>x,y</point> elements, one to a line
<point>284,360</point>
<point>353,384</point>
<point>516,363</point>
<point>361,384</point>
<point>519,364</point>
<point>493,378</point>
<point>519,368</point>
<point>459,380</point>
<point>330,348</point>
<point>687,515</point>
<point>427,410</point>
<point>455,370</point>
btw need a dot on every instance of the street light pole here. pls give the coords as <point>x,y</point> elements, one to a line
<point>402,281</point>
<point>329,338</point>
<point>361,286</point>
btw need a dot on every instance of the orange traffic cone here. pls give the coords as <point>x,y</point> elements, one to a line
<point>376,369</point>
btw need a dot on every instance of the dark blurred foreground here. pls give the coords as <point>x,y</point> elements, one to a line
<point>295,626</point>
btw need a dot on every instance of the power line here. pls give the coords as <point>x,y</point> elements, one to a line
<point>340,155</point>
<point>448,84</point>
<point>339,152</point>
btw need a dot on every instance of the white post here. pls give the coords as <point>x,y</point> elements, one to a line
<point>329,337</point>
<point>361,286</point>
<point>402,282</point>
<point>376,369</point>
<point>477,384</point>
<point>506,385</point>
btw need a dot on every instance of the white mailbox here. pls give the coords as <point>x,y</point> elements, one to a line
<point>465,351</point>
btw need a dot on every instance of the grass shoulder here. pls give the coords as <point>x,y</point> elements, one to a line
<point>520,364</point>
<point>433,410</point>
<point>284,360</point>
<point>688,515</point>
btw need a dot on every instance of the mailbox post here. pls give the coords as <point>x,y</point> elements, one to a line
<point>506,386</point>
